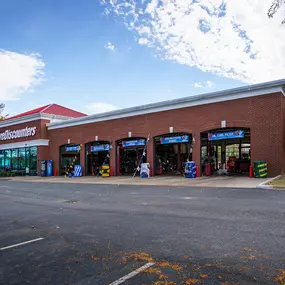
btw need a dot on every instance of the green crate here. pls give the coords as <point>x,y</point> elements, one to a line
<point>260,169</point>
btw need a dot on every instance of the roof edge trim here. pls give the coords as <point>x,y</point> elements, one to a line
<point>215,97</point>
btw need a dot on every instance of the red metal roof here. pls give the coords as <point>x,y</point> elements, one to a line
<point>52,109</point>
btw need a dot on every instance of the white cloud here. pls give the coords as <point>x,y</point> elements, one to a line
<point>99,107</point>
<point>197,85</point>
<point>143,30</point>
<point>19,73</point>
<point>110,46</point>
<point>233,39</point>
<point>210,84</point>
<point>205,84</point>
<point>143,41</point>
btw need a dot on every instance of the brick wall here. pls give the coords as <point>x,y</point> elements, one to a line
<point>264,115</point>
<point>282,154</point>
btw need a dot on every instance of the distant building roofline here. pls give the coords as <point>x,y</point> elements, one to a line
<point>48,112</point>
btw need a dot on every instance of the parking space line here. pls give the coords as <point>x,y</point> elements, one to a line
<point>22,243</point>
<point>132,274</point>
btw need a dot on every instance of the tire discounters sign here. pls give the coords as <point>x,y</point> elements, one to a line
<point>22,133</point>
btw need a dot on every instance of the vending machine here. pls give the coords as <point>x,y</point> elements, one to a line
<point>49,167</point>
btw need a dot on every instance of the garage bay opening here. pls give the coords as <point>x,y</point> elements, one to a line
<point>97,154</point>
<point>69,157</point>
<point>225,151</point>
<point>172,151</point>
<point>131,153</point>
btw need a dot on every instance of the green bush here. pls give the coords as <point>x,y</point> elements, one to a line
<point>7,174</point>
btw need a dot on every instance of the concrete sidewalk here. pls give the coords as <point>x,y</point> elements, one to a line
<point>216,181</point>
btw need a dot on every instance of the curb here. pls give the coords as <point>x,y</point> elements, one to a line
<point>264,185</point>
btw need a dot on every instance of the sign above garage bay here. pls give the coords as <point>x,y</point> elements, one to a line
<point>100,147</point>
<point>174,139</point>
<point>15,134</point>
<point>215,136</point>
<point>140,142</point>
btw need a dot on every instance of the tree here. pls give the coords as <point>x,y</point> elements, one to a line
<point>274,8</point>
<point>2,107</point>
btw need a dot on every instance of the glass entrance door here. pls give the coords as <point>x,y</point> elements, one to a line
<point>15,159</point>
<point>33,161</point>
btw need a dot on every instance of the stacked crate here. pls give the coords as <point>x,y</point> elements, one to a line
<point>260,169</point>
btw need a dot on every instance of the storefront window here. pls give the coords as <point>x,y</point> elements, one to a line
<point>245,151</point>
<point>1,160</point>
<point>204,153</point>
<point>7,159</point>
<point>22,158</point>
<point>15,159</point>
<point>19,160</point>
<point>232,151</point>
<point>219,156</point>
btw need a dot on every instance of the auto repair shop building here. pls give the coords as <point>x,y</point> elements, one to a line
<point>240,125</point>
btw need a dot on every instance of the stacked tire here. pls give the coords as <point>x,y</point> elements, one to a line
<point>260,169</point>
<point>190,169</point>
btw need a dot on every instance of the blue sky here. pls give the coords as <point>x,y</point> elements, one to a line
<point>86,55</point>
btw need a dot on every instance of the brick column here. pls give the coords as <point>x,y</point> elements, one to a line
<point>42,154</point>
<point>83,158</point>
<point>150,156</point>
<point>113,159</point>
<point>196,149</point>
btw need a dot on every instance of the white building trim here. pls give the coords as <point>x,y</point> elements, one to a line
<point>39,142</point>
<point>220,96</point>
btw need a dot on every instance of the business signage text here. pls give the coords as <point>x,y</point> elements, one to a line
<point>72,148</point>
<point>22,133</point>
<point>174,139</point>
<point>100,147</point>
<point>225,135</point>
<point>140,142</point>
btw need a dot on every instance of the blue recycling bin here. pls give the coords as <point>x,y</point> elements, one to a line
<point>49,167</point>
<point>43,168</point>
<point>190,169</point>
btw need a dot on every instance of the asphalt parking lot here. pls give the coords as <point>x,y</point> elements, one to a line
<point>102,234</point>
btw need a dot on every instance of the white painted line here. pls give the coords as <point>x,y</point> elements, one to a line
<point>187,198</point>
<point>22,243</point>
<point>132,274</point>
<point>264,185</point>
